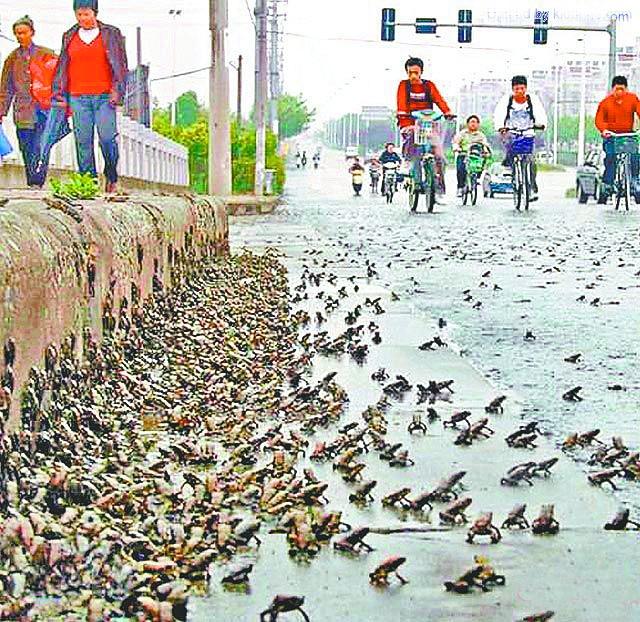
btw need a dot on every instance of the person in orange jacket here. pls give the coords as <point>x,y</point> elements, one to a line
<point>17,88</point>
<point>616,115</point>
<point>415,94</point>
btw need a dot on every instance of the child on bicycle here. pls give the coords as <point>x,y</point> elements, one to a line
<point>462,142</point>
<point>616,115</point>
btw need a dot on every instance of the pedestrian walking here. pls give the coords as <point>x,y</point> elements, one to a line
<point>91,78</point>
<point>26,83</point>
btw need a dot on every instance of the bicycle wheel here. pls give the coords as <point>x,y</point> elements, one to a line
<point>628,178</point>
<point>516,181</point>
<point>621,180</point>
<point>429,185</point>
<point>474,189</point>
<point>527,174</point>
<point>413,193</point>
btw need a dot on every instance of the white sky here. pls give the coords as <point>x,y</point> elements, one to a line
<point>334,74</point>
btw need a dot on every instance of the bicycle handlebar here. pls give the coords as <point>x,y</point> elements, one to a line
<point>624,134</point>
<point>434,116</point>
<point>538,128</point>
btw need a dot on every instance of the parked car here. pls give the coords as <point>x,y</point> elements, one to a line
<point>589,177</point>
<point>545,155</point>
<point>497,180</point>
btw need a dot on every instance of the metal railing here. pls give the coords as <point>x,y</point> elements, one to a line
<point>144,154</point>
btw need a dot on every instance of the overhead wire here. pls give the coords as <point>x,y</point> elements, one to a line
<point>251,15</point>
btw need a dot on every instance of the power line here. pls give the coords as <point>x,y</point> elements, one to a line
<point>179,75</point>
<point>253,21</point>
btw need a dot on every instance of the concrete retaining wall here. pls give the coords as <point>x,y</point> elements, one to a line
<point>12,176</point>
<point>59,276</point>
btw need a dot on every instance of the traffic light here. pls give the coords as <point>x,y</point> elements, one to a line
<point>464,26</point>
<point>426,25</point>
<point>540,35</point>
<point>388,24</point>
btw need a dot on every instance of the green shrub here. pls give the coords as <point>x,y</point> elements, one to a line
<point>76,186</point>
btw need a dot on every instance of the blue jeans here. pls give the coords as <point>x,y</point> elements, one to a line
<point>461,170</point>
<point>29,140</point>
<point>89,112</point>
<point>610,164</point>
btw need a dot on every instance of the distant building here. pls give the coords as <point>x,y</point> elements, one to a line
<point>480,97</point>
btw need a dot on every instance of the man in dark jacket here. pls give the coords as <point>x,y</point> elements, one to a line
<point>91,77</point>
<point>389,155</point>
<point>15,88</point>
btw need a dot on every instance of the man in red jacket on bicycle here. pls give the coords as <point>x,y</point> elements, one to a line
<point>616,115</point>
<point>416,94</point>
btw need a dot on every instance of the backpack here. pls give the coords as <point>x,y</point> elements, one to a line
<point>42,69</point>
<point>427,89</point>
<point>529,109</point>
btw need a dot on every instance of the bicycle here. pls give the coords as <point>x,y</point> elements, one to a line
<point>522,165</point>
<point>375,179</point>
<point>624,145</point>
<point>389,181</point>
<point>422,179</point>
<point>474,166</point>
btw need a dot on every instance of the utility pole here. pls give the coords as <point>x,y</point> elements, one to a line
<point>613,49</point>
<point>219,130</point>
<point>262,94</point>
<point>139,76</point>
<point>239,110</point>
<point>274,71</point>
<point>556,112</point>
<point>583,105</point>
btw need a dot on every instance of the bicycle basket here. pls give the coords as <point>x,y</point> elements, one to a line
<point>475,161</point>
<point>522,145</point>
<point>425,130</point>
<point>625,144</point>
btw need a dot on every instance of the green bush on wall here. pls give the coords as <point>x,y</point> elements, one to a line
<point>243,152</point>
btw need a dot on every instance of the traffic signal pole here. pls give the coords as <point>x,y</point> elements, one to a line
<point>613,49</point>
<point>429,26</point>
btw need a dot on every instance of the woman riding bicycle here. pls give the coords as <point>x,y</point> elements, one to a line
<point>462,142</point>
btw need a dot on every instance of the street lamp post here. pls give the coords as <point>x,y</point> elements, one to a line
<point>238,69</point>
<point>175,13</point>
<point>583,104</point>
<point>556,113</point>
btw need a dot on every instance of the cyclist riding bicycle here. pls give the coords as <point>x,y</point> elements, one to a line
<point>356,171</point>
<point>375,169</point>
<point>520,110</point>
<point>415,94</point>
<point>616,115</point>
<point>389,155</point>
<point>463,141</point>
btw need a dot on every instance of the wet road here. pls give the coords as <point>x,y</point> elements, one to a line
<point>568,273</point>
<point>442,266</point>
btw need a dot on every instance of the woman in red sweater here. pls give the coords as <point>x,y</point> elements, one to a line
<point>91,77</point>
